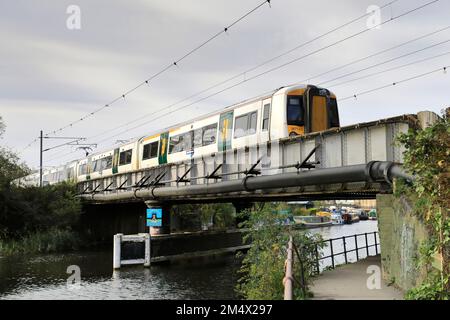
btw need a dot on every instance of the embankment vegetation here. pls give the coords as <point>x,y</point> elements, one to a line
<point>34,219</point>
<point>263,267</point>
<point>427,157</point>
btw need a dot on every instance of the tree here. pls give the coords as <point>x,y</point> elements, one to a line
<point>10,166</point>
<point>262,270</point>
<point>2,127</point>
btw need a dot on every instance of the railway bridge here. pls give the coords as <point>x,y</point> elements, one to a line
<point>353,162</point>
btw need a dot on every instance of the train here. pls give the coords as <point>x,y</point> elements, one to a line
<point>284,113</point>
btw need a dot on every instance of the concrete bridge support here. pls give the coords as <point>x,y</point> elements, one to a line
<point>401,235</point>
<point>165,228</point>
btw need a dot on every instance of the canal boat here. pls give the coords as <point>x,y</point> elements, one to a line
<point>363,215</point>
<point>336,219</point>
<point>312,222</point>
<point>373,214</point>
<point>350,217</point>
<point>324,213</point>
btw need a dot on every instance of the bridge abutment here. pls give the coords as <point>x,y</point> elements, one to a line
<point>401,235</point>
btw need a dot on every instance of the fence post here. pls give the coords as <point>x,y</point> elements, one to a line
<point>376,245</point>
<point>345,250</point>
<point>147,258</point>
<point>356,245</point>
<point>288,279</point>
<point>332,253</point>
<point>317,260</point>
<point>117,251</point>
<point>367,244</point>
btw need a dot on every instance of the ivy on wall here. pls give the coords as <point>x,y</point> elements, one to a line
<point>427,157</point>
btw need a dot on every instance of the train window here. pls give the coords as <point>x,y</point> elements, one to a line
<point>266,117</point>
<point>125,157</point>
<point>154,150</point>
<point>181,142</point>
<point>150,150</point>
<point>205,136</point>
<point>198,138</point>
<point>107,163</point>
<point>295,111</point>
<point>176,144</point>
<point>96,166</point>
<point>333,114</point>
<point>253,123</point>
<point>209,134</point>
<point>240,127</point>
<point>82,170</point>
<point>245,125</point>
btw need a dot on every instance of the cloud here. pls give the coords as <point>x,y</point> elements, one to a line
<point>51,76</point>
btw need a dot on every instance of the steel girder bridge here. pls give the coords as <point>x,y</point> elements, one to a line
<point>352,162</point>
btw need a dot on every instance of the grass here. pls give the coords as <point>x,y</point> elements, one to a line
<point>54,240</point>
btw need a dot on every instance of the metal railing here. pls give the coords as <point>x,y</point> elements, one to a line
<point>357,248</point>
<point>293,251</point>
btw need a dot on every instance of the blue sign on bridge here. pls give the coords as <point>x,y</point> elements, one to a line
<point>154,217</point>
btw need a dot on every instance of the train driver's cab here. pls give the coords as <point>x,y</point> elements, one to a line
<point>311,110</point>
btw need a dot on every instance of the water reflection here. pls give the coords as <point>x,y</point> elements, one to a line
<point>45,277</point>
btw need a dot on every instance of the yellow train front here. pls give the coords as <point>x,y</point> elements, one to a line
<point>302,110</point>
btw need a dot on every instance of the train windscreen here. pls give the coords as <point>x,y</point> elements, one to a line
<point>295,111</point>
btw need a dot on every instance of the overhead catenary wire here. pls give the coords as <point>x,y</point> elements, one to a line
<point>271,70</point>
<point>366,76</point>
<point>356,95</point>
<point>243,73</point>
<point>163,70</point>
<point>278,67</point>
<point>246,71</point>
<point>265,72</point>
<point>390,69</point>
<point>166,68</point>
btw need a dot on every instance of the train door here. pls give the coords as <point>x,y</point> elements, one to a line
<point>163,147</point>
<point>317,102</point>
<point>115,163</point>
<point>225,131</point>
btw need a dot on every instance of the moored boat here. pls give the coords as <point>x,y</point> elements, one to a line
<point>336,218</point>
<point>312,221</point>
<point>373,214</point>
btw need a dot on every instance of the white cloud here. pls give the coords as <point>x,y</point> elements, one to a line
<point>51,76</point>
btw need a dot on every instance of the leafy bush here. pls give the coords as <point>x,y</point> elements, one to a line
<point>30,210</point>
<point>262,270</point>
<point>427,157</point>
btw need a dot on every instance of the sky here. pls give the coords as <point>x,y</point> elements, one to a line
<point>53,73</point>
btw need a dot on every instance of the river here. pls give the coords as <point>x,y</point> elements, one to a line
<point>45,276</point>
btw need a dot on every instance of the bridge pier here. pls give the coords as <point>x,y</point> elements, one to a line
<point>165,227</point>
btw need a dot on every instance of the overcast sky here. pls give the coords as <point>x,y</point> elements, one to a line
<point>51,75</point>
